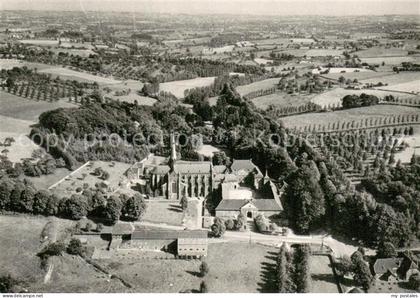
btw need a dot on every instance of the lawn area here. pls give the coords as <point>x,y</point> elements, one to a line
<point>281,100</point>
<point>21,148</point>
<point>177,88</point>
<point>234,268</point>
<point>323,280</point>
<point>20,238</point>
<point>169,212</point>
<point>45,181</point>
<point>260,85</point>
<point>73,275</point>
<point>25,109</point>
<point>347,115</point>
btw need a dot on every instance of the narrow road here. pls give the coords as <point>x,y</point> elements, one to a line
<point>339,248</point>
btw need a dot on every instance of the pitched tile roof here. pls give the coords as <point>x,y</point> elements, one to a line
<point>156,234</point>
<point>260,204</point>
<point>242,164</point>
<point>383,265</point>
<point>193,167</point>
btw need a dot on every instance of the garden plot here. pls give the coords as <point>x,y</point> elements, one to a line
<point>85,176</point>
<point>178,88</point>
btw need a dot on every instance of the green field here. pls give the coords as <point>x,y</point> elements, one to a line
<point>281,100</point>
<point>25,109</point>
<point>234,268</point>
<point>177,88</point>
<point>66,73</point>
<point>393,78</point>
<point>377,52</point>
<point>334,96</point>
<point>260,85</point>
<point>365,75</point>
<point>323,280</point>
<point>167,212</point>
<point>21,241</point>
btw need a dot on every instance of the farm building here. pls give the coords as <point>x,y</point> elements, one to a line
<point>184,243</point>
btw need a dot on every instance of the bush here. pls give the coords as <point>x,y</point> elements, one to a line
<point>203,287</point>
<point>7,283</point>
<point>204,269</point>
<point>414,282</point>
<point>218,228</point>
<point>52,249</point>
<point>230,224</point>
<point>75,247</point>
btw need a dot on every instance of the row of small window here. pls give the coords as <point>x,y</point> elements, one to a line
<point>191,249</point>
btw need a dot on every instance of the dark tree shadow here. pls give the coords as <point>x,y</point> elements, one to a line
<point>175,208</point>
<point>193,273</point>
<point>268,275</point>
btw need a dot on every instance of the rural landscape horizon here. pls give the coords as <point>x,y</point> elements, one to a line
<point>232,7</point>
<point>209,146</point>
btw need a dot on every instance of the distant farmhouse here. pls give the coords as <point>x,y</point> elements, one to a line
<point>240,187</point>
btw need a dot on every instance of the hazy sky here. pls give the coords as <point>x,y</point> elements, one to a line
<point>271,7</point>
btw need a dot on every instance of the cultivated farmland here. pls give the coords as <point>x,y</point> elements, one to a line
<point>178,88</point>
<point>260,85</point>
<point>78,76</point>
<point>349,115</point>
<point>25,109</point>
<point>281,100</point>
<point>333,97</point>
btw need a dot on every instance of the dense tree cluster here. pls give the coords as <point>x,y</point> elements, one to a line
<point>293,272</point>
<point>21,196</point>
<point>362,100</point>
